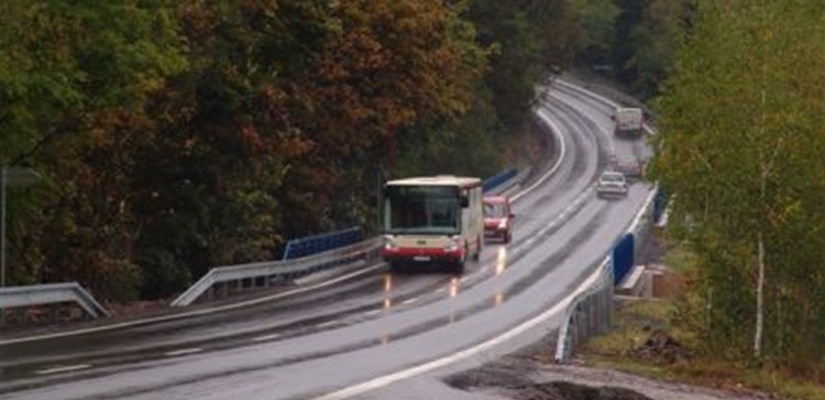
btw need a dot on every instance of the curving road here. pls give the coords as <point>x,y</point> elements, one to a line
<point>371,329</point>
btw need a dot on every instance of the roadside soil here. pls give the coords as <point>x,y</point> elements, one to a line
<point>531,374</point>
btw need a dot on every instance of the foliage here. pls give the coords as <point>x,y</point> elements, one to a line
<point>742,146</point>
<point>76,77</point>
<point>530,37</point>
<point>597,19</point>
<point>632,41</point>
<point>174,136</point>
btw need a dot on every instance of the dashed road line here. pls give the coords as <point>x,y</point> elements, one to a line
<point>265,338</point>
<point>68,368</point>
<point>182,352</point>
<point>328,324</point>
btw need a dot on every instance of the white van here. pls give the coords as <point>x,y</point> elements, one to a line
<point>628,121</point>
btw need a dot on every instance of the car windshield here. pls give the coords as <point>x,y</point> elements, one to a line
<point>612,178</point>
<point>494,210</point>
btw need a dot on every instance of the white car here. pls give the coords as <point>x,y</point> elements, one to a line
<point>611,184</point>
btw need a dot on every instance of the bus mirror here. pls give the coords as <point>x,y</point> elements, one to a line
<point>465,201</point>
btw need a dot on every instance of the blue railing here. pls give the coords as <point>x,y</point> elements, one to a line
<point>493,181</point>
<point>623,258</point>
<point>659,204</point>
<point>309,245</point>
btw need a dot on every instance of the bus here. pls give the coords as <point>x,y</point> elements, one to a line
<point>433,220</point>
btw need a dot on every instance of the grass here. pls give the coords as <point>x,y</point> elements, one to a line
<point>634,321</point>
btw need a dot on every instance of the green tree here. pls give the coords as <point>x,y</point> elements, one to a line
<point>76,78</point>
<point>742,146</point>
<point>597,19</point>
<point>226,137</point>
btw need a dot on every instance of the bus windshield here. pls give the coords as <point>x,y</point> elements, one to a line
<point>422,209</point>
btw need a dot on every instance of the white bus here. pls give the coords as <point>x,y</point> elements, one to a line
<point>433,220</point>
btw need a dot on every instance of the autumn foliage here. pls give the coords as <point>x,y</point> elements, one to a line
<point>175,136</point>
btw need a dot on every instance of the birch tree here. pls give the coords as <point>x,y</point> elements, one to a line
<point>742,145</point>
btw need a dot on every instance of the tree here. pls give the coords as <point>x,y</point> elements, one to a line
<point>390,65</point>
<point>77,78</point>
<point>742,146</point>
<point>597,19</point>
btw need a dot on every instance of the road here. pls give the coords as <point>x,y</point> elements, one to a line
<point>376,327</point>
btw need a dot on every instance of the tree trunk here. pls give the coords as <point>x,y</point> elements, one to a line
<point>760,285</point>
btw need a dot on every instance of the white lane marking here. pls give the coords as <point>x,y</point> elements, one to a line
<point>560,218</point>
<point>182,352</point>
<point>67,368</point>
<point>373,312</point>
<point>265,338</point>
<point>191,313</point>
<point>580,117</point>
<point>409,301</point>
<point>385,380</point>
<point>592,94</point>
<point>556,131</point>
<point>328,324</point>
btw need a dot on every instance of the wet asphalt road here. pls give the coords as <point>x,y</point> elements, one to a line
<point>375,323</point>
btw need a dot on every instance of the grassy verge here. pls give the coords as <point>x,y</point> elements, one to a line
<point>672,354</point>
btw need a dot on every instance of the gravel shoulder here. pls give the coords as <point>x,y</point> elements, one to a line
<point>530,374</point>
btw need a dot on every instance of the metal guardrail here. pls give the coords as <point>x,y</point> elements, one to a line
<point>35,295</point>
<point>590,312</point>
<point>287,270</point>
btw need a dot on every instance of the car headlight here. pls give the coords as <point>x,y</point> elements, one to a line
<point>502,224</point>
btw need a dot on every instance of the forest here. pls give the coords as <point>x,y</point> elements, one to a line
<point>743,150</point>
<point>173,136</point>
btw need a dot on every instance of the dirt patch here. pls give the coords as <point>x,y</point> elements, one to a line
<point>661,348</point>
<point>518,376</point>
<point>572,391</point>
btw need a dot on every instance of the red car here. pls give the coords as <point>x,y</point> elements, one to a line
<point>498,219</point>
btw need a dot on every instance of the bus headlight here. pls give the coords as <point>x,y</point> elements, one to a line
<point>389,244</point>
<point>452,244</point>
